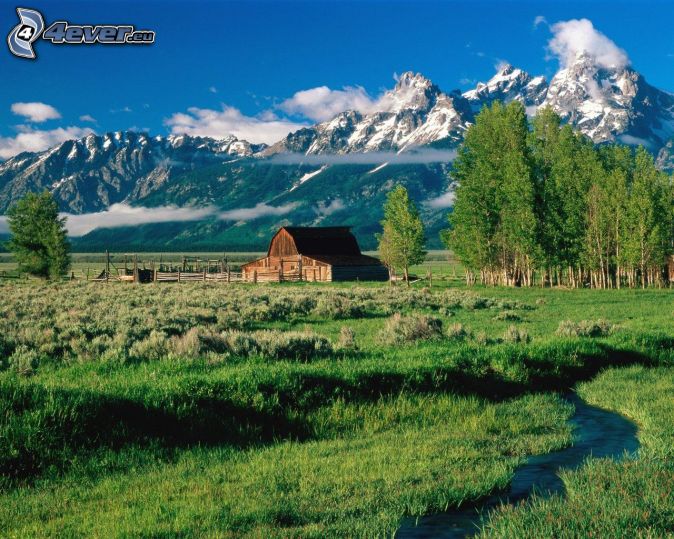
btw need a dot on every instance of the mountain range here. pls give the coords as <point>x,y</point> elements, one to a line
<point>335,172</point>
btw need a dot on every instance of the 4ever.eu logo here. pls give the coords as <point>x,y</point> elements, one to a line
<point>31,27</point>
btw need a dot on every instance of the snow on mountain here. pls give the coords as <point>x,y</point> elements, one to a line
<point>508,84</point>
<point>308,176</point>
<point>605,102</point>
<point>614,103</point>
<point>413,113</point>
<point>94,172</point>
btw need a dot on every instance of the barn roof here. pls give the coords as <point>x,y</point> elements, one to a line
<point>342,260</point>
<point>324,240</point>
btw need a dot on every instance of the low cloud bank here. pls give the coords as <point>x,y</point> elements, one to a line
<point>324,209</point>
<point>124,215</point>
<point>445,200</point>
<point>421,156</point>
<point>260,210</point>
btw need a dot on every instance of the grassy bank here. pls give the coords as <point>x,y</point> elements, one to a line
<point>633,498</point>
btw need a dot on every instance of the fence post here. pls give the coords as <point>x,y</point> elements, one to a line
<point>228,276</point>
<point>254,276</point>
<point>299,265</point>
<point>204,275</point>
<point>178,275</point>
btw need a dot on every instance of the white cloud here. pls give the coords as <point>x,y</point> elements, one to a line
<point>419,156</point>
<point>322,103</point>
<point>260,210</point>
<point>267,128</point>
<point>34,140</point>
<point>124,215</point>
<point>579,35</point>
<point>323,209</point>
<point>445,200</point>
<point>500,64</point>
<point>635,141</point>
<point>36,112</point>
<point>87,118</point>
<point>213,89</point>
<point>540,19</point>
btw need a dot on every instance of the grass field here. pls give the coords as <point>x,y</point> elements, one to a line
<point>320,410</point>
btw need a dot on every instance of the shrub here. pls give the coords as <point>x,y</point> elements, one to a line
<point>515,335</point>
<point>292,345</point>
<point>337,306</point>
<point>585,328</point>
<point>458,332</point>
<point>240,344</point>
<point>152,348</point>
<point>509,316</point>
<point>187,345</point>
<point>446,311</point>
<point>347,338</point>
<point>401,329</point>
<point>24,360</point>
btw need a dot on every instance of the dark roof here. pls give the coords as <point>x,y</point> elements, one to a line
<point>341,260</point>
<point>324,240</point>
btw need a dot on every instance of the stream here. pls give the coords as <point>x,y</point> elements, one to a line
<point>597,433</point>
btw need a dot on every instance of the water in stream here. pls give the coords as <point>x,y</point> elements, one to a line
<point>598,433</point>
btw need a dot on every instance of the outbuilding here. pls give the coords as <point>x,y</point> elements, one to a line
<point>314,254</point>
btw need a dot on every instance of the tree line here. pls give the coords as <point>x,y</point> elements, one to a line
<point>541,204</point>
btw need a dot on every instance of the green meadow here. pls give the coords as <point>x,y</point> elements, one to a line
<point>322,410</point>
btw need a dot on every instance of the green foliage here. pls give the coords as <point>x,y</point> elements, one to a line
<point>547,202</point>
<point>39,240</point>
<point>493,222</point>
<point>401,244</point>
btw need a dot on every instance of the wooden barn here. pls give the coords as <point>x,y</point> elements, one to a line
<point>314,254</point>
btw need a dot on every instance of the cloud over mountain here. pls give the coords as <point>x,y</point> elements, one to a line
<point>36,140</point>
<point>322,103</point>
<point>573,37</point>
<point>266,128</point>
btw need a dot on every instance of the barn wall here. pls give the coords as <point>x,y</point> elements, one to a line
<point>282,244</point>
<point>311,269</point>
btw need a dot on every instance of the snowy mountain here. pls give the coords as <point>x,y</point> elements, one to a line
<point>413,113</point>
<point>94,172</point>
<point>609,104</point>
<point>508,84</point>
<point>612,103</point>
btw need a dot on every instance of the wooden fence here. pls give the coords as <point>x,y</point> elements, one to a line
<point>203,276</point>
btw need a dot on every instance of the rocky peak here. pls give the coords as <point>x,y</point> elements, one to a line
<point>508,84</point>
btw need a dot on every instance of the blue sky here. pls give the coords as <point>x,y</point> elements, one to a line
<point>234,65</point>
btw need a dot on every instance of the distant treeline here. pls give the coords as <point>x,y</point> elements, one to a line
<point>541,204</point>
